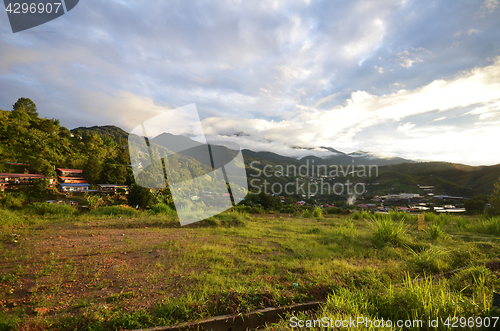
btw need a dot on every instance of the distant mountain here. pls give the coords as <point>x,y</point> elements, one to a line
<point>368,158</point>
<point>270,156</point>
<point>334,157</point>
<point>395,174</point>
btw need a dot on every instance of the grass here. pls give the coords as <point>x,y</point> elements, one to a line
<point>118,268</point>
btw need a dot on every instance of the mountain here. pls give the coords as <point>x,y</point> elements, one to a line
<point>334,157</point>
<point>368,158</point>
<point>106,130</point>
<point>395,174</point>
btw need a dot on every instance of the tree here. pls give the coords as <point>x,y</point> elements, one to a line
<point>26,105</point>
<point>494,200</point>
<point>39,165</point>
<point>92,170</point>
<point>476,204</point>
<point>40,187</point>
<point>140,196</point>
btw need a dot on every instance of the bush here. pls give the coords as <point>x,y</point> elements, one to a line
<point>306,213</point>
<point>44,208</point>
<point>388,231</point>
<point>14,200</point>
<point>432,260</point>
<point>318,212</point>
<point>9,218</point>
<point>435,232</point>
<point>114,211</point>
<point>162,208</point>
<point>416,300</point>
<point>228,219</point>
<point>489,226</point>
<point>140,196</point>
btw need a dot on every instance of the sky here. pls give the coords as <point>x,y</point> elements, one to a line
<point>414,79</point>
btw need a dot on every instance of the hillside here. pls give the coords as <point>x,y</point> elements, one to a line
<point>105,131</point>
<point>41,144</point>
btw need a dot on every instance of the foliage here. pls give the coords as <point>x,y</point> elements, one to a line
<point>25,105</point>
<point>92,170</point>
<point>435,232</point>
<point>93,201</point>
<point>318,212</point>
<point>494,200</point>
<point>114,211</point>
<point>13,200</point>
<point>45,208</point>
<point>476,204</point>
<point>161,208</point>
<point>139,196</point>
<point>388,231</point>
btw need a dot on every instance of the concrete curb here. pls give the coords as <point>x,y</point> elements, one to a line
<point>239,322</point>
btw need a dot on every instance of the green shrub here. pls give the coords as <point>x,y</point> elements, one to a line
<point>9,218</point>
<point>488,226</point>
<point>14,200</point>
<point>231,218</point>
<point>356,216</point>
<point>44,208</point>
<point>161,208</point>
<point>435,232</point>
<point>306,213</point>
<point>388,231</point>
<point>318,212</point>
<point>430,218</point>
<point>114,211</point>
<point>432,260</point>
<point>422,300</point>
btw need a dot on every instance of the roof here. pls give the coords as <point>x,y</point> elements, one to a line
<point>75,184</point>
<point>64,177</point>
<point>70,170</point>
<point>5,175</point>
<point>111,185</point>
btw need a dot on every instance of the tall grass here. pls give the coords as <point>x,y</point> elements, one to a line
<point>162,208</point>
<point>388,231</point>
<point>50,209</point>
<point>9,218</point>
<point>114,211</point>
<point>417,300</point>
<point>435,232</point>
<point>488,226</point>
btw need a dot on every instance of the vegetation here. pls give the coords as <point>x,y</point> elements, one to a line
<point>116,267</point>
<point>125,263</point>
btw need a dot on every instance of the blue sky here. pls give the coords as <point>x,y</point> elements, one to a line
<point>416,79</point>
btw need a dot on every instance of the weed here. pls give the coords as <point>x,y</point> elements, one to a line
<point>388,231</point>
<point>435,232</point>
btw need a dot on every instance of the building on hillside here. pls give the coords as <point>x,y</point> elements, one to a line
<point>112,188</point>
<point>74,187</point>
<point>14,181</point>
<point>70,176</point>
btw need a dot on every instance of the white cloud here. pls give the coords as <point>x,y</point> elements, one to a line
<point>407,58</point>
<point>338,127</point>
<point>406,127</point>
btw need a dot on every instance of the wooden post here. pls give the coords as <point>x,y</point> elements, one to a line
<point>421,222</point>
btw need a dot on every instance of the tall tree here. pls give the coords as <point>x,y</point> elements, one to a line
<point>26,105</point>
<point>495,200</point>
<point>92,170</point>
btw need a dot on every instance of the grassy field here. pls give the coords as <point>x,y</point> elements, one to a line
<point>118,268</point>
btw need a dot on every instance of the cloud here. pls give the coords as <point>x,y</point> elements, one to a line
<point>342,126</point>
<point>407,58</point>
<point>406,127</point>
<point>274,74</point>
